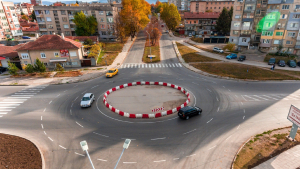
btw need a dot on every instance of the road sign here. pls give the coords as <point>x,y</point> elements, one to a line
<point>294,117</point>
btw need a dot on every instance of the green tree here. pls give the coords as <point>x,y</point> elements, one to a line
<point>59,68</point>
<point>170,16</point>
<point>32,16</point>
<point>85,25</point>
<point>230,47</point>
<point>12,68</point>
<point>39,66</point>
<point>77,2</point>
<point>22,13</point>
<point>223,22</point>
<point>29,68</point>
<point>88,41</point>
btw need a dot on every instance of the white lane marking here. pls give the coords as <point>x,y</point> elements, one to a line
<point>128,138</point>
<point>218,109</point>
<point>179,64</point>
<point>191,155</point>
<point>28,91</point>
<point>6,110</point>
<point>100,134</point>
<point>244,111</point>
<point>42,126</point>
<point>44,109</point>
<point>76,98</point>
<point>101,159</point>
<point>70,111</point>
<point>142,65</point>
<point>50,138</point>
<point>170,65</point>
<point>223,86</point>
<point>242,103</point>
<point>228,137</point>
<point>175,158</point>
<point>173,65</point>
<point>209,90</point>
<point>83,92</point>
<point>79,154</point>
<point>3,113</point>
<point>145,65</point>
<point>15,99</point>
<point>50,102</point>
<point>217,98</point>
<point>139,65</point>
<point>129,162</point>
<point>10,102</point>
<point>158,138</point>
<point>24,93</point>
<point>229,90</point>
<point>212,147</point>
<point>62,147</point>
<point>41,117</point>
<point>58,95</point>
<point>194,83</point>
<point>72,105</point>
<point>203,79</point>
<point>32,89</point>
<point>159,161</point>
<point>210,120</point>
<point>251,98</point>
<point>236,96</point>
<point>260,97</point>
<point>159,65</point>
<point>15,96</point>
<point>166,65</point>
<point>7,107</point>
<point>190,131</point>
<point>79,124</point>
<point>238,127</point>
<point>45,133</point>
<point>243,117</point>
<point>163,65</point>
<point>270,97</point>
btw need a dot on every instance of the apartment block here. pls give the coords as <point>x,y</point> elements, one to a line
<point>214,6</point>
<point>182,5</point>
<point>267,24</point>
<point>36,2</point>
<point>26,8</point>
<point>9,23</point>
<point>59,19</point>
<point>200,23</point>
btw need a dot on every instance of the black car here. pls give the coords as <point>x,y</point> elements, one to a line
<point>272,61</point>
<point>281,63</point>
<point>242,58</point>
<point>291,63</point>
<point>3,69</point>
<point>298,63</point>
<point>188,111</point>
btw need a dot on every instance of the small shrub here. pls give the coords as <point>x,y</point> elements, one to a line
<point>88,41</point>
<point>251,141</point>
<point>29,68</point>
<point>258,135</point>
<point>12,68</point>
<point>250,148</point>
<point>39,66</point>
<point>59,68</point>
<point>229,46</point>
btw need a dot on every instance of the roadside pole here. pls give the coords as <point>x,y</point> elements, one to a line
<point>294,117</point>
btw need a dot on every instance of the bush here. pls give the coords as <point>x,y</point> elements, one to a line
<point>88,41</point>
<point>58,67</point>
<point>12,68</point>
<point>29,68</point>
<point>230,47</point>
<point>39,66</point>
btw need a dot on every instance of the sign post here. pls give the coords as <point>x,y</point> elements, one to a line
<point>294,117</point>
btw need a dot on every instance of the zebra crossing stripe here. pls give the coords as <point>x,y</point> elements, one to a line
<point>179,64</point>
<point>270,97</point>
<point>146,65</point>
<point>159,65</point>
<point>166,65</point>
<point>139,65</point>
<point>142,65</point>
<point>260,97</point>
<point>170,65</point>
<point>163,65</point>
<point>156,65</point>
<point>173,65</point>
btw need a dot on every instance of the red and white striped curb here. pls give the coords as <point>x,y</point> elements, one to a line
<point>156,115</point>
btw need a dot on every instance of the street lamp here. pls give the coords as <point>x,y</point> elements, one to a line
<point>84,147</point>
<point>149,40</point>
<point>125,146</point>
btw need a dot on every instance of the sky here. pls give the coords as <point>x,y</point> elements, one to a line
<point>18,1</point>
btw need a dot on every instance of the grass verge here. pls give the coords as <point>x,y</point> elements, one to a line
<point>264,146</point>
<point>198,40</point>
<point>68,74</point>
<point>209,50</point>
<point>240,71</point>
<point>154,51</point>
<point>285,58</point>
<point>190,55</point>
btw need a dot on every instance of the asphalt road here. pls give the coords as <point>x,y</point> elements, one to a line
<point>232,112</point>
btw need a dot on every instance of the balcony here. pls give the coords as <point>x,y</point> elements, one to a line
<point>71,16</point>
<point>73,29</point>
<point>71,22</point>
<point>247,19</point>
<point>250,2</point>
<point>245,35</point>
<point>272,10</point>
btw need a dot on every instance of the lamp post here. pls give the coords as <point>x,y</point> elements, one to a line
<point>125,146</point>
<point>149,40</point>
<point>84,147</point>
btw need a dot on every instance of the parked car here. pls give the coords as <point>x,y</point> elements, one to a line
<point>162,25</point>
<point>231,56</point>
<point>25,37</point>
<point>242,58</point>
<point>87,100</point>
<point>298,63</point>
<point>189,111</point>
<point>218,50</point>
<point>281,63</point>
<point>291,63</point>
<point>112,72</point>
<point>271,61</point>
<point>167,31</point>
<point>3,69</point>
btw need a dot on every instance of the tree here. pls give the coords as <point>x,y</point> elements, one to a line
<point>230,12</point>
<point>230,47</point>
<point>170,16</point>
<point>120,28</point>
<point>29,68</point>
<point>76,4</point>
<point>39,66</point>
<point>85,26</point>
<point>223,22</point>
<point>22,13</point>
<point>32,16</point>
<point>88,41</point>
<point>25,17</point>
<point>12,68</point>
<point>59,68</point>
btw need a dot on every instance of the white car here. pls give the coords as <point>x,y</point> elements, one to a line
<point>87,100</point>
<point>218,50</point>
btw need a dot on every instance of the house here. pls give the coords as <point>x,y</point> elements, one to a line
<point>52,49</point>
<point>83,38</point>
<point>9,53</point>
<point>29,28</point>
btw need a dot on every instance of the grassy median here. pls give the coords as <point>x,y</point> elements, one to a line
<point>190,55</point>
<point>154,51</point>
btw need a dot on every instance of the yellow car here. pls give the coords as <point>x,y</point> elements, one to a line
<point>112,72</point>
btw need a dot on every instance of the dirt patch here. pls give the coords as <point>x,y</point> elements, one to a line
<point>17,152</point>
<point>36,75</point>
<point>263,147</point>
<point>68,74</point>
<point>173,103</point>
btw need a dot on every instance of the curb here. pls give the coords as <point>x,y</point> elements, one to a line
<point>232,164</point>
<point>156,115</point>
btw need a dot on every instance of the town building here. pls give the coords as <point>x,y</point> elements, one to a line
<point>213,6</point>
<point>9,23</point>
<point>9,53</point>
<point>29,28</point>
<point>25,8</point>
<point>52,49</point>
<point>59,19</point>
<point>36,2</point>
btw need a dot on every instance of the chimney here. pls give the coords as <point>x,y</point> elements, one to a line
<point>37,35</point>
<point>62,36</point>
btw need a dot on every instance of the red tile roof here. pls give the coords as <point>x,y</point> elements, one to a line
<point>199,15</point>
<point>83,38</point>
<point>9,51</point>
<point>48,42</point>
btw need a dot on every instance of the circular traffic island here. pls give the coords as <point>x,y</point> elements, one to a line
<point>146,99</point>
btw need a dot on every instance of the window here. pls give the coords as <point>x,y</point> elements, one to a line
<point>279,33</point>
<point>236,24</point>
<point>64,19</point>
<point>285,6</point>
<point>219,7</point>
<point>258,12</point>
<point>239,8</point>
<point>47,12</point>
<point>67,33</point>
<point>102,26</point>
<point>50,26</point>
<point>244,40</point>
<point>42,26</point>
<point>101,19</point>
<point>8,14</point>
<point>48,19</point>
<point>266,33</point>
<point>194,21</point>
<point>56,54</point>
<point>206,7</point>
<point>296,16</point>
<point>297,7</point>
<point>210,7</point>
<point>24,55</point>
<point>276,42</point>
<point>266,40</point>
<point>235,32</point>
<point>63,12</point>
<point>215,8</point>
<point>66,26</point>
<point>237,16</point>
<point>291,34</point>
<point>103,33</point>
<point>43,55</point>
<point>249,7</point>
<point>101,12</point>
<point>246,24</point>
<point>294,25</point>
<point>289,42</point>
<point>283,16</point>
<point>46,64</point>
<point>109,13</point>
<point>73,54</point>
<point>227,7</point>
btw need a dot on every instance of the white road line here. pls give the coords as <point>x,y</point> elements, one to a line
<point>70,111</point>
<point>244,111</point>
<point>42,126</point>
<point>270,97</point>
<point>7,107</point>
<point>260,97</point>
<point>242,103</point>
<point>62,147</point>
<point>217,98</point>
<point>159,161</point>
<point>175,158</point>
<point>280,97</point>
<point>15,96</point>
<point>139,66</point>
<point>100,134</point>
<point>194,83</point>
<point>251,98</point>
<point>41,117</point>
<point>145,65</point>
<point>238,127</point>
<point>101,159</point>
<point>209,90</point>
<point>129,162</point>
<point>79,124</point>
<point>79,154</point>
<point>243,117</point>
<point>212,147</point>
<point>159,65</point>
<point>229,90</point>
<point>170,65</point>
<point>50,138</point>
<point>3,113</point>
<point>24,93</point>
<point>158,138</point>
<point>50,102</point>
<point>72,104</point>
<point>58,95</point>
<point>173,65</point>
<point>142,65</point>
<point>44,109</point>
<point>190,131</point>
<point>128,138</point>
<point>11,102</point>
<point>191,155</point>
<point>218,109</point>
<point>210,120</point>
<point>28,91</point>
<point>45,133</point>
<point>228,137</point>
<point>81,93</point>
<point>6,110</point>
<point>163,65</point>
<point>166,65</point>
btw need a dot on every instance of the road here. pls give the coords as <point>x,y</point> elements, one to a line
<point>51,117</point>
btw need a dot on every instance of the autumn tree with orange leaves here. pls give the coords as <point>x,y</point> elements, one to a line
<point>154,30</point>
<point>135,15</point>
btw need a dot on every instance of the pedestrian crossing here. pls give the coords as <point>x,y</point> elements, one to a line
<point>150,65</point>
<point>272,97</point>
<point>7,104</point>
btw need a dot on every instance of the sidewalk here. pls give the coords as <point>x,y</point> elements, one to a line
<point>91,73</point>
<point>286,160</point>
